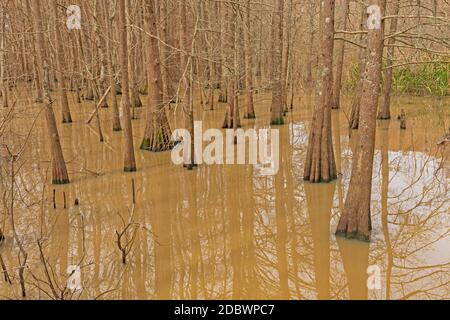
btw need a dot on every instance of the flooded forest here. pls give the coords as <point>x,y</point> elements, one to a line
<point>115,117</point>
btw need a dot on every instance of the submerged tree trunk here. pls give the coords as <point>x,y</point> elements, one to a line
<point>336,103</point>
<point>235,74</point>
<point>320,163</point>
<point>129,157</point>
<point>157,135</point>
<point>277,62</point>
<point>66,116</point>
<point>232,116</point>
<point>355,221</point>
<point>188,104</point>
<point>59,170</point>
<point>385,110</point>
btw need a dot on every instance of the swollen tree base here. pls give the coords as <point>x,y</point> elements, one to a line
<point>136,100</point>
<point>353,236</point>
<point>223,98</point>
<point>104,105</point>
<point>250,116</point>
<point>277,122</point>
<point>118,89</point>
<point>191,166</point>
<point>383,116</point>
<point>60,181</point>
<point>67,119</point>
<point>351,229</point>
<point>157,141</point>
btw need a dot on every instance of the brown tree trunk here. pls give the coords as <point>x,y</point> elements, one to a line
<point>157,135</point>
<point>59,170</point>
<point>385,110</point>
<point>223,14</point>
<point>310,59</point>
<point>129,157</point>
<point>355,221</point>
<point>188,104</point>
<point>336,103</point>
<point>354,117</point>
<point>65,110</point>
<point>134,87</point>
<point>320,164</point>
<point>277,62</point>
<point>286,59</point>
<point>116,126</point>
<point>3,63</point>
<point>102,58</point>
<point>164,51</point>
<point>229,76</point>
<point>234,94</point>
<point>36,62</point>
<point>250,108</point>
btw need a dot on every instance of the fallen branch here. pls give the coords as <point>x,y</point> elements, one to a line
<point>98,105</point>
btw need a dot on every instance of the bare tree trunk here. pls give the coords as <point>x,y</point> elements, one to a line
<point>157,135</point>
<point>116,126</point>
<point>223,14</point>
<point>286,59</point>
<point>230,68</point>
<point>3,63</point>
<point>336,103</point>
<point>250,110</point>
<point>164,34</point>
<point>385,111</point>
<point>134,87</point>
<point>188,104</point>
<point>235,74</point>
<point>354,117</point>
<point>320,163</point>
<point>277,63</point>
<point>355,221</point>
<point>36,62</point>
<point>129,157</point>
<point>309,63</point>
<point>59,170</point>
<point>65,110</point>
<point>210,72</point>
<point>102,57</point>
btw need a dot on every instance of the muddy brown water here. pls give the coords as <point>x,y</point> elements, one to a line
<point>226,231</point>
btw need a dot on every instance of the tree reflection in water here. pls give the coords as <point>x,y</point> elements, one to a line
<point>222,232</point>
